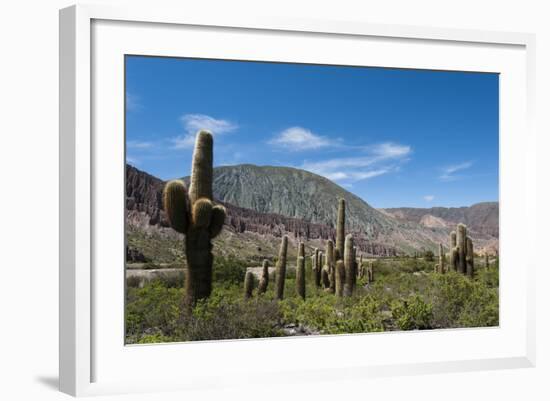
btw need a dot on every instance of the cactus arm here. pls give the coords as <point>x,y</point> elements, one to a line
<point>202,213</point>
<point>176,205</point>
<point>217,221</point>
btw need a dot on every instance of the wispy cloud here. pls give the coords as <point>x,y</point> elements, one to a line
<point>192,123</point>
<point>450,172</point>
<point>132,160</point>
<point>376,160</point>
<point>298,139</point>
<point>429,198</point>
<point>139,144</point>
<point>133,102</point>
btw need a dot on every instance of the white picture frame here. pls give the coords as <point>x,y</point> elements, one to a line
<point>93,358</point>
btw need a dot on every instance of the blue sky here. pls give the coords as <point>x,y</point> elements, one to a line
<point>394,137</point>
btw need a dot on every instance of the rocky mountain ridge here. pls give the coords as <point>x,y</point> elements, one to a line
<point>282,200</point>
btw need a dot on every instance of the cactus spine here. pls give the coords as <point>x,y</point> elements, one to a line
<point>340,229</point>
<point>281,269</point>
<point>340,278</point>
<point>349,265</point>
<point>264,281</point>
<point>248,284</point>
<point>194,215</point>
<point>301,272</point>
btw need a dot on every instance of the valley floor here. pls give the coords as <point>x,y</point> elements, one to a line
<point>406,294</point>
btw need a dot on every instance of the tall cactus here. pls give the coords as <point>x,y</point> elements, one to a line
<point>301,272</point>
<point>264,281</point>
<point>280,269</point>
<point>370,272</point>
<point>331,265</point>
<point>349,266</point>
<point>441,265</point>
<point>486,260</point>
<point>340,276</point>
<point>248,284</point>
<point>461,244</point>
<point>462,255</point>
<point>340,229</point>
<point>469,257</point>
<point>317,268</point>
<point>194,215</point>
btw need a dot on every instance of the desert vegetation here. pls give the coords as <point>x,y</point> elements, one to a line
<point>331,287</point>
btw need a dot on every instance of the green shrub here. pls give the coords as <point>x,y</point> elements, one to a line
<point>153,307</point>
<point>461,302</point>
<point>429,256</point>
<point>228,271</point>
<point>412,313</point>
<point>331,315</point>
<point>227,316</point>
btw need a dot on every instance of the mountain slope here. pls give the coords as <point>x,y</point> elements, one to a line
<point>279,200</point>
<point>480,217</point>
<point>294,193</point>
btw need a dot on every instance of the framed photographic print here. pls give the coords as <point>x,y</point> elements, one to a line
<point>312,190</point>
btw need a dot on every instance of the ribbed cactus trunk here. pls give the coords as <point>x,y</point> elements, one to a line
<point>370,272</point>
<point>486,260</point>
<point>301,272</point>
<point>452,238</point>
<point>461,244</point>
<point>331,265</point>
<point>340,229</point>
<point>441,266</point>
<point>264,281</point>
<point>317,268</point>
<point>280,270</point>
<point>469,257</point>
<point>453,262</point>
<point>340,275</point>
<point>194,215</point>
<point>248,284</point>
<point>349,266</point>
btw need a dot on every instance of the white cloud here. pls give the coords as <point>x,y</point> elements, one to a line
<point>298,138</point>
<point>192,123</point>
<point>449,172</point>
<point>132,160</point>
<point>429,198</point>
<point>377,160</point>
<point>184,141</point>
<point>138,144</point>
